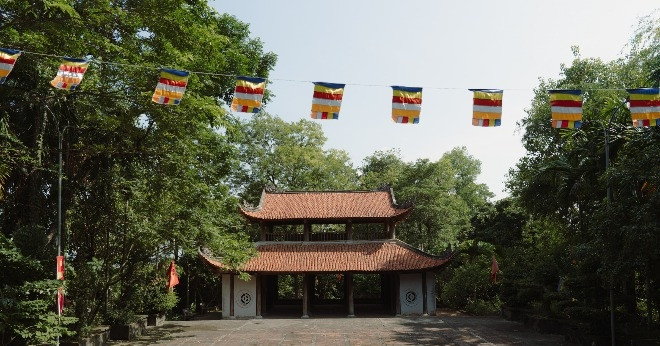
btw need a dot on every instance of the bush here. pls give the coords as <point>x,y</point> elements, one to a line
<point>482,307</point>
<point>470,288</point>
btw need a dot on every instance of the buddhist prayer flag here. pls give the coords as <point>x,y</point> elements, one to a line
<point>172,277</point>
<point>494,268</point>
<point>70,74</point>
<point>487,107</point>
<point>248,94</point>
<point>171,86</point>
<point>645,106</point>
<point>566,108</point>
<point>406,104</point>
<point>7,60</point>
<point>60,267</point>
<point>326,101</point>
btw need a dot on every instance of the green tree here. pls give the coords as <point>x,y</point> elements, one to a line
<point>142,182</point>
<point>287,156</point>
<point>562,180</point>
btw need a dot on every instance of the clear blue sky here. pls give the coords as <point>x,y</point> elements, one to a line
<point>445,47</point>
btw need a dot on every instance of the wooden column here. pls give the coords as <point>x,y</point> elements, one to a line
<point>425,309</point>
<point>349,230</point>
<point>262,232</point>
<point>392,228</point>
<point>307,229</point>
<point>305,296</point>
<point>349,288</point>
<point>231,296</point>
<point>257,283</point>
<point>397,292</point>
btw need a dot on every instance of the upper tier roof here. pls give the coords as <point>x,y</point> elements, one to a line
<point>334,257</point>
<point>294,207</point>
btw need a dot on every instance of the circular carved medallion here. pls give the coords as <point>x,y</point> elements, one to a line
<point>410,298</point>
<point>244,299</point>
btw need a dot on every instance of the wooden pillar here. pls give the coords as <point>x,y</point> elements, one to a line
<point>307,229</point>
<point>231,296</point>
<point>425,309</point>
<point>262,232</point>
<point>392,229</point>
<point>349,288</point>
<point>305,297</point>
<point>397,292</point>
<point>257,278</point>
<point>349,230</point>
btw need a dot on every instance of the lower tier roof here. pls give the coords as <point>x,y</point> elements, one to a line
<point>334,257</point>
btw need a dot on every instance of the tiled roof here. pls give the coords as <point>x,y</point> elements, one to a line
<point>335,257</point>
<point>326,205</point>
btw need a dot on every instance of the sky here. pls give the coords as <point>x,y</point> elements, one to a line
<point>445,47</point>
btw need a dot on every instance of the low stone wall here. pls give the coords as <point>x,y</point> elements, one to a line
<point>129,331</point>
<point>98,337</point>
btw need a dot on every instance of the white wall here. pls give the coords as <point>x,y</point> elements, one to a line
<point>245,297</point>
<point>411,295</point>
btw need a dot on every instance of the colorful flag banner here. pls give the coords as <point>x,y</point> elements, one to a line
<point>172,276</point>
<point>60,267</point>
<point>645,106</point>
<point>494,268</point>
<point>566,108</point>
<point>326,101</point>
<point>8,58</point>
<point>70,74</point>
<point>406,104</point>
<point>487,107</point>
<point>248,94</point>
<point>171,86</point>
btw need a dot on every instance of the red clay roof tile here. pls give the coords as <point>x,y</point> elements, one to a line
<point>325,205</point>
<point>335,257</point>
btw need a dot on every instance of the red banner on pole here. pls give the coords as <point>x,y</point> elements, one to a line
<point>173,278</point>
<point>60,301</point>
<point>494,268</point>
<point>60,267</point>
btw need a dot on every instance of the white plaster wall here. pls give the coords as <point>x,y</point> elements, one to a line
<point>245,297</point>
<point>411,295</point>
<point>430,292</point>
<point>225,295</point>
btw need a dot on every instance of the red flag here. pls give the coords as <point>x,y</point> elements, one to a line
<point>494,268</point>
<point>60,267</point>
<point>60,301</point>
<point>173,278</point>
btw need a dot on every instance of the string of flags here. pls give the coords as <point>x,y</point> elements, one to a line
<point>566,105</point>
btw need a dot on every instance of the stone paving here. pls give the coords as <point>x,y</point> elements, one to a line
<point>447,328</point>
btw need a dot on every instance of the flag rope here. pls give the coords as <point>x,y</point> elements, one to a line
<point>101,62</point>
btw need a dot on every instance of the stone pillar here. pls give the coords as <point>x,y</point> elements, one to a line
<point>257,279</point>
<point>397,292</point>
<point>307,229</point>
<point>231,296</point>
<point>305,297</point>
<point>392,228</point>
<point>425,307</point>
<point>349,298</point>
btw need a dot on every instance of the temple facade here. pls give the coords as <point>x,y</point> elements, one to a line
<point>344,238</point>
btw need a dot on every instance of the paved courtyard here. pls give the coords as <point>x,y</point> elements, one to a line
<point>445,329</point>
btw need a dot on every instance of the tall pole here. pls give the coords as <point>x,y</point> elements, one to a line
<point>609,201</point>
<point>59,195</point>
<point>59,223</point>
